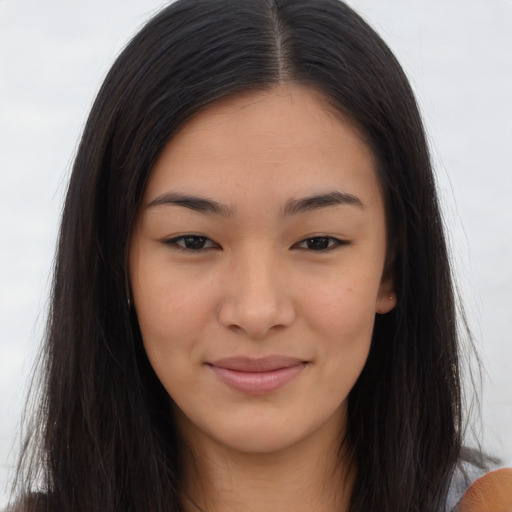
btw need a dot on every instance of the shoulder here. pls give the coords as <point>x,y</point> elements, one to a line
<point>474,489</point>
<point>491,492</point>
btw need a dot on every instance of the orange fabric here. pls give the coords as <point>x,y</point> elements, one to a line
<point>490,493</point>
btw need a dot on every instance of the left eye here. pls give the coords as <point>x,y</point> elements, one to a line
<point>320,243</point>
<point>192,242</point>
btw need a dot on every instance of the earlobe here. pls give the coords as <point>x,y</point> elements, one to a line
<point>386,299</point>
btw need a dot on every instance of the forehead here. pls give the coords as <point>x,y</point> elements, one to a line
<point>283,140</point>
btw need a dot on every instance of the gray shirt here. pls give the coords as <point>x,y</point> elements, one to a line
<point>465,474</point>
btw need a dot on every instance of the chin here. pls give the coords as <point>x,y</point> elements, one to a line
<point>261,441</point>
<point>265,432</point>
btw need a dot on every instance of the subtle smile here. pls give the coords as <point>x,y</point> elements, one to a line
<point>257,376</point>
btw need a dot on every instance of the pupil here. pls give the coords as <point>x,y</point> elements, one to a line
<point>194,242</point>
<point>318,243</point>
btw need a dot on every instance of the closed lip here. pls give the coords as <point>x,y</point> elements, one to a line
<point>258,376</point>
<point>256,365</point>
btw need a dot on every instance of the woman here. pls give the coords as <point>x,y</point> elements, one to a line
<point>250,262</point>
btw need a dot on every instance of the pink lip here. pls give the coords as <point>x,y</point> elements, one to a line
<point>257,376</point>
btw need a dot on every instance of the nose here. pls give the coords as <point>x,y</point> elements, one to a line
<point>256,300</point>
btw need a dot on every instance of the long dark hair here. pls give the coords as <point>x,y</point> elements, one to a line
<point>103,438</point>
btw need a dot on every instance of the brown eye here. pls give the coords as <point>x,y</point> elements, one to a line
<point>192,243</point>
<point>320,243</point>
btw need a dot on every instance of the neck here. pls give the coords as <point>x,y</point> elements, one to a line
<point>304,477</point>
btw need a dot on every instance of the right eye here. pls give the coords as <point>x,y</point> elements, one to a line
<point>194,243</point>
<point>321,243</point>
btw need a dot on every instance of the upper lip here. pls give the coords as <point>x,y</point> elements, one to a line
<point>263,364</point>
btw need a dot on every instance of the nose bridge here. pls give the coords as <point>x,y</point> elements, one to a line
<point>257,300</point>
<point>256,275</point>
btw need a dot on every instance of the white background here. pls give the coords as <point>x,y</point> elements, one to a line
<point>458,55</point>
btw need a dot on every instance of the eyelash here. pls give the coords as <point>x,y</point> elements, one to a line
<point>332,243</point>
<point>175,243</point>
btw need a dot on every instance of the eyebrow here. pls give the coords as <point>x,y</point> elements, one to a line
<point>292,207</point>
<point>317,201</point>
<point>198,204</point>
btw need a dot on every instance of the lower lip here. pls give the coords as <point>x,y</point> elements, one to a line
<point>257,383</point>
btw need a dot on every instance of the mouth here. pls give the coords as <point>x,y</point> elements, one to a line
<point>257,376</point>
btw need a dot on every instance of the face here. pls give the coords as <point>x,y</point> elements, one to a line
<point>256,269</point>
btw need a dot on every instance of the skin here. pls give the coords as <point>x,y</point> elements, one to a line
<point>255,287</point>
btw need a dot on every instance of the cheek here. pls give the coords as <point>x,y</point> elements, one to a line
<point>344,310</point>
<point>171,308</point>
<point>171,320</point>
<point>342,319</point>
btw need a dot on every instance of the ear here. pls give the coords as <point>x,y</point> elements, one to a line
<point>386,298</point>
